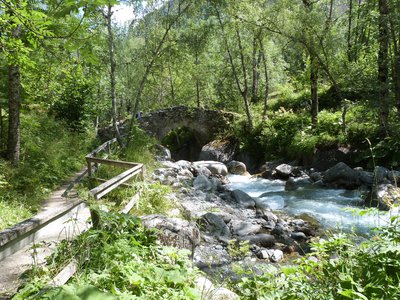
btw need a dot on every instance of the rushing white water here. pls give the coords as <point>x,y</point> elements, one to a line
<point>333,208</point>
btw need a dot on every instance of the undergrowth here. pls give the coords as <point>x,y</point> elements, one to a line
<point>50,154</point>
<point>338,268</point>
<point>119,260</point>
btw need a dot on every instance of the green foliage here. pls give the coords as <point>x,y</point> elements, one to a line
<point>153,199</point>
<point>121,258</point>
<point>50,154</point>
<point>339,268</point>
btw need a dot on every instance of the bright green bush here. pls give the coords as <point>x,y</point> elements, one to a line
<point>120,258</point>
<point>339,268</point>
<point>49,154</point>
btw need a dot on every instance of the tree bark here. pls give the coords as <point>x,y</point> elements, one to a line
<point>197,62</point>
<point>266,77</point>
<point>314,90</point>
<point>383,70</point>
<point>113,64</point>
<point>349,24</point>
<point>14,139</point>
<point>396,66</point>
<point>256,60</point>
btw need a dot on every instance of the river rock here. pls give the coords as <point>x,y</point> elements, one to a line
<point>206,256</point>
<point>210,292</point>
<point>383,197</point>
<point>216,168</point>
<point>262,239</point>
<point>274,255</point>
<point>236,167</point>
<point>205,184</point>
<point>266,214</point>
<point>173,231</point>
<point>241,228</point>
<point>298,236</point>
<point>293,184</point>
<point>214,224</point>
<point>243,199</point>
<point>283,171</point>
<point>341,175</point>
<point>219,150</point>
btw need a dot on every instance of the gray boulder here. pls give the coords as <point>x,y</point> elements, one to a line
<point>236,167</point>
<point>205,184</point>
<point>241,228</point>
<point>173,231</point>
<point>341,175</point>
<point>219,150</point>
<point>243,199</point>
<point>274,255</point>
<point>283,171</point>
<point>293,184</point>
<point>263,239</point>
<point>383,197</point>
<point>214,224</point>
<point>216,168</point>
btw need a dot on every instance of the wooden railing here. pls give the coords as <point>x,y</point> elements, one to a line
<point>107,186</point>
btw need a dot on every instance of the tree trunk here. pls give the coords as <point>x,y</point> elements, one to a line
<point>383,70</point>
<point>396,66</point>
<point>266,77</point>
<point>14,140</point>
<point>197,62</point>
<point>113,64</point>
<point>256,74</point>
<point>314,89</point>
<point>350,23</point>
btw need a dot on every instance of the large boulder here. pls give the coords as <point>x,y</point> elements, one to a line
<point>243,199</point>
<point>215,167</point>
<point>298,183</point>
<point>236,167</point>
<point>241,228</point>
<point>219,150</point>
<point>205,184</point>
<point>341,175</point>
<point>383,196</point>
<point>283,171</point>
<point>263,239</point>
<point>173,231</point>
<point>214,224</point>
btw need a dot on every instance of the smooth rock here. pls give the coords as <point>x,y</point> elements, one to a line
<point>293,184</point>
<point>214,224</point>
<point>241,228</point>
<point>216,168</point>
<point>341,175</point>
<point>205,184</point>
<point>236,167</point>
<point>263,239</point>
<point>298,236</point>
<point>243,199</point>
<point>283,171</point>
<point>274,255</point>
<point>174,231</point>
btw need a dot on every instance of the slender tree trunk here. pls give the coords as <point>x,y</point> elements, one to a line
<point>266,77</point>
<point>383,70</point>
<point>113,64</point>
<point>14,139</point>
<point>396,66</point>
<point>246,86</point>
<point>256,60</point>
<point>350,23</point>
<point>171,83</point>
<point>314,89</point>
<point>243,91</point>
<point>197,62</point>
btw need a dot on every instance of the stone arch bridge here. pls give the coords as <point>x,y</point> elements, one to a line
<point>204,123</point>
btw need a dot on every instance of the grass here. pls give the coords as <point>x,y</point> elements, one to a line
<point>50,154</point>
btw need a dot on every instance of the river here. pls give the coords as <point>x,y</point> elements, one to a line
<point>334,208</point>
